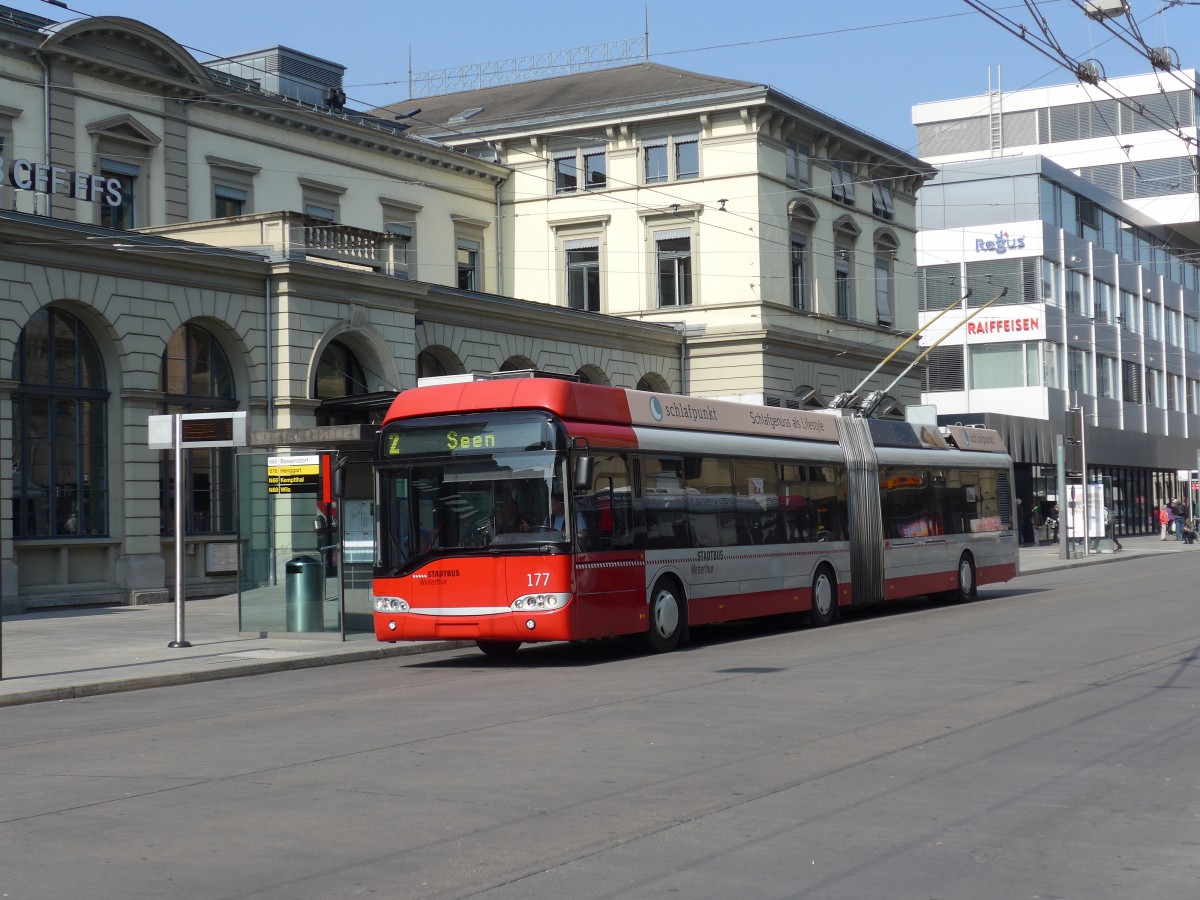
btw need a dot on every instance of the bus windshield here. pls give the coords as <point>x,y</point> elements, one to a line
<point>476,504</point>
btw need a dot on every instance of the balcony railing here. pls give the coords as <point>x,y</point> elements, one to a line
<point>379,251</point>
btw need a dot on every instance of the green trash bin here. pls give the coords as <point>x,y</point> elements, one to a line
<point>304,594</point>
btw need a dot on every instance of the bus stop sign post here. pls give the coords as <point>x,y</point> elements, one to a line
<point>184,431</point>
<point>177,446</point>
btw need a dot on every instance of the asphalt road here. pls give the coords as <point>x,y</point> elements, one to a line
<point>1038,743</point>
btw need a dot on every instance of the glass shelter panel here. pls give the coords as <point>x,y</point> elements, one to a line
<point>305,560</point>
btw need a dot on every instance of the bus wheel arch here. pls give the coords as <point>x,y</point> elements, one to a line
<point>824,606</point>
<point>666,613</point>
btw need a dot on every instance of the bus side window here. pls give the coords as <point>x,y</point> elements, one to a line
<point>665,505</point>
<point>756,495</point>
<point>607,509</point>
<point>710,502</point>
<point>907,503</point>
<point>795,510</point>
<point>950,503</point>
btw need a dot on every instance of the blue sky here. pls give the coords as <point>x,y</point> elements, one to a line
<point>865,61</point>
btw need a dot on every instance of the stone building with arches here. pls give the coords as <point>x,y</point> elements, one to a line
<point>103,331</point>
<point>178,236</point>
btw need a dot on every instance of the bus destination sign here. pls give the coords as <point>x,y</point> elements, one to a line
<point>467,437</point>
<point>294,474</point>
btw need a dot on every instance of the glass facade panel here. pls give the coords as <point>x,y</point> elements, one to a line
<point>1049,282</point>
<point>998,366</point>
<point>1053,365</point>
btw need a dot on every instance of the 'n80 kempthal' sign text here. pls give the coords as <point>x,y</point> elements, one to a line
<point>45,178</point>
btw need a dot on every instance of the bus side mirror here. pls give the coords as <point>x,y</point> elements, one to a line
<point>584,467</point>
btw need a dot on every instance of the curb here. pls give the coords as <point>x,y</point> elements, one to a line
<point>1060,565</point>
<point>121,685</point>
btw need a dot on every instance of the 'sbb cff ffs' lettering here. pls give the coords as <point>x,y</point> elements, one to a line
<point>47,179</point>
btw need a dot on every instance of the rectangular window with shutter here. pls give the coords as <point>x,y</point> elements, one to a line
<point>675,157</point>
<point>673,263</point>
<point>1131,382</point>
<point>944,369</point>
<point>583,274</point>
<point>940,287</point>
<point>403,249</point>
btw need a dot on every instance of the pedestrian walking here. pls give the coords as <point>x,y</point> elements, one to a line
<point>1181,514</point>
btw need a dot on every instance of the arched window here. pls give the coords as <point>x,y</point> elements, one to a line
<point>592,375</point>
<point>886,246</point>
<point>653,383</point>
<point>60,482</point>
<point>429,366</point>
<point>197,377</point>
<point>339,373</point>
<point>517,364</point>
<point>845,236</point>
<point>801,219</point>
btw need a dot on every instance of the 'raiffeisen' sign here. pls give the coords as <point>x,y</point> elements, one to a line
<point>994,325</point>
<point>50,179</point>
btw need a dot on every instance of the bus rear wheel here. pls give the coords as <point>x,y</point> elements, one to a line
<point>499,649</point>
<point>824,598</point>
<point>964,583</point>
<point>668,615</point>
<point>965,587</point>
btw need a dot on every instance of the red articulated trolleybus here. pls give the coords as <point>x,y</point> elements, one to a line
<point>528,509</point>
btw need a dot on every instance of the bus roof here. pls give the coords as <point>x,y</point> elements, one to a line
<point>563,398</point>
<point>576,401</point>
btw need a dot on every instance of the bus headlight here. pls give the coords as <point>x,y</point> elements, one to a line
<point>390,605</point>
<point>536,602</point>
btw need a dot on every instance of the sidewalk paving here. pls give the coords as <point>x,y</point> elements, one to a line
<point>66,654</point>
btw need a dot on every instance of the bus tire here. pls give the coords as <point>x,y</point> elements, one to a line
<point>499,649</point>
<point>668,617</point>
<point>965,587</point>
<point>824,597</point>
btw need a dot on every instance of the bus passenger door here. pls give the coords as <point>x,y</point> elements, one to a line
<point>610,566</point>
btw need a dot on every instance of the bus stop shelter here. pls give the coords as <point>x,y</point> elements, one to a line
<point>306,532</point>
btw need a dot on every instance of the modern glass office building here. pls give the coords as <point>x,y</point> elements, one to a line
<point>1099,308</point>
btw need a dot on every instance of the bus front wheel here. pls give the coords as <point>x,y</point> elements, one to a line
<point>668,613</point>
<point>824,598</point>
<point>499,649</point>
